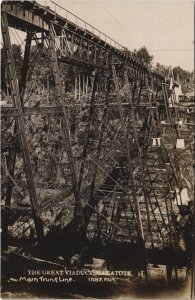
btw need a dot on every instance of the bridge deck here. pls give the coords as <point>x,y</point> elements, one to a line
<point>26,15</point>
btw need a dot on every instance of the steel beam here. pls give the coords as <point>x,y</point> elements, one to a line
<point>20,126</point>
<point>27,15</point>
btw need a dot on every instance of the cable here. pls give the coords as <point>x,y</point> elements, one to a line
<point>14,35</point>
<point>22,41</point>
<point>174,50</point>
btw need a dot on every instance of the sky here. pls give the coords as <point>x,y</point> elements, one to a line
<point>166,28</point>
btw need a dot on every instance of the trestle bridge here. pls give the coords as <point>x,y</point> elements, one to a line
<point>102,129</point>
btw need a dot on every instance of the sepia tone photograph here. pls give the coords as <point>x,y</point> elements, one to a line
<point>97,149</point>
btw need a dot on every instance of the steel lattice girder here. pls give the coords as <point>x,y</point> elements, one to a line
<point>31,16</point>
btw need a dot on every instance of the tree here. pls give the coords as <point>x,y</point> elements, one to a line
<point>41,67</point>
<point>181,74</point>
<point>17,53</point>
<point>143,54</point>
<point>163,70</point>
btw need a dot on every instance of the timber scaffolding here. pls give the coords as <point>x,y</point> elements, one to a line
<point>119,127</point>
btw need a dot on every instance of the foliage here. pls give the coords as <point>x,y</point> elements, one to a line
<point>164,70</point>
<point>144,55</point>
<point>41,69</point>
<point>17,53</point>
<point>181,74</point>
